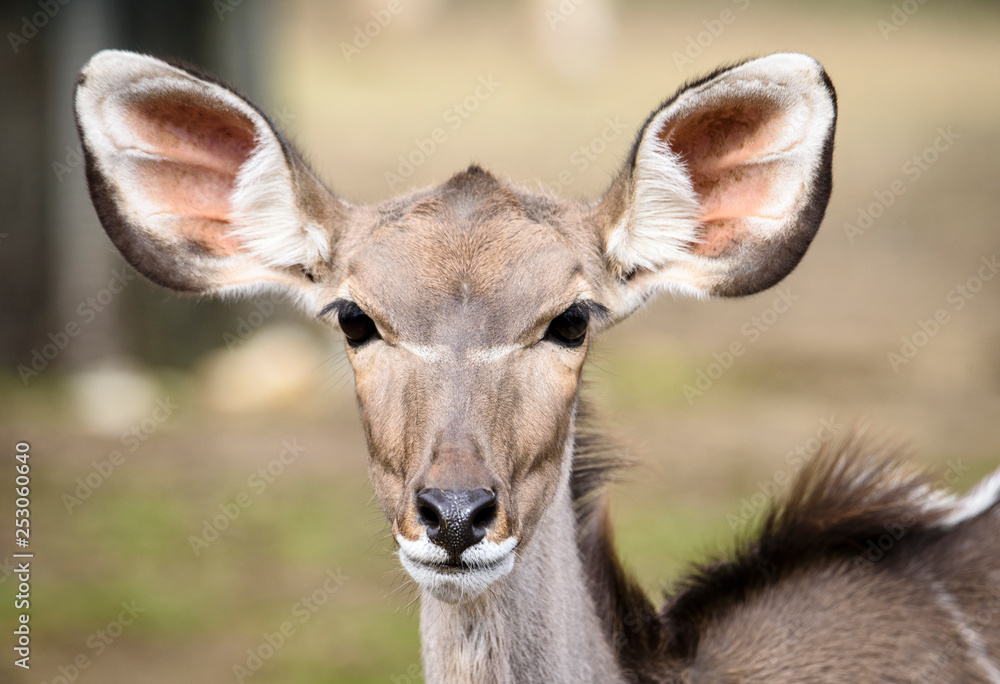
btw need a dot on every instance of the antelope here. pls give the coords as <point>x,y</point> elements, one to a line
<point>467,310</point>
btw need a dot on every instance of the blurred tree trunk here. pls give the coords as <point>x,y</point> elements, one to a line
<point>82,266</point>
<point>24,272</point>
<point>55,262</point>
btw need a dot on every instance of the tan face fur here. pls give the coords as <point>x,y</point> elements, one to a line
<point>464,390</point>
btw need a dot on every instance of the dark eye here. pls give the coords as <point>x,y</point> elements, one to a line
<point>357,326</point>
<point>570,327</point>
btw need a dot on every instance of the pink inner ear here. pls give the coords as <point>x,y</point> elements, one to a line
<point>722,150</point>
<point>199,148</point>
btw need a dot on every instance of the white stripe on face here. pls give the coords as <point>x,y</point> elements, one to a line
<point>441,352</point>
<point>429,353</point>
<point>490,354</point>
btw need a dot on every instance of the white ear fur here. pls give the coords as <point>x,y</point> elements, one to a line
<point>267,218</point>
<point>656,239</point>
<point>661,221</point>
<point>273,232</point>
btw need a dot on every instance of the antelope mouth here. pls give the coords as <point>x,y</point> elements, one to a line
<point>479,567</point>
<point>460,567</point>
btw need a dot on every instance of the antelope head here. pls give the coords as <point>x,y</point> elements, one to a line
<point>467,308</point>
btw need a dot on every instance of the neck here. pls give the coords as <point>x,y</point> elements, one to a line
<point>538,624</point>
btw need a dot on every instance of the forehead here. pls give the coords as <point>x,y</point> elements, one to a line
<point>470,255</point>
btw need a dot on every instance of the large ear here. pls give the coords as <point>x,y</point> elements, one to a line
<point>726,184</point>
<point>194,185</point>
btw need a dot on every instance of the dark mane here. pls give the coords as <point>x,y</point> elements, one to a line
<point>848,494</point>
<point>596,464</point>
<point>845,496</point>
<point>629,619</point>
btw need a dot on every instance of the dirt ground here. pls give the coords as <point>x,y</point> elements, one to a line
<point>312,549</point>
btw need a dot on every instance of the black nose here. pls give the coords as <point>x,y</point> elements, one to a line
<point>455,520</point>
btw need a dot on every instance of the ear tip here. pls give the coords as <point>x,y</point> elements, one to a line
<point>793,63</point>
<point>797,63</point>
<point>115,65</point>
<point>95,72</point>
<point>108,58</point>
<point>797,60</point>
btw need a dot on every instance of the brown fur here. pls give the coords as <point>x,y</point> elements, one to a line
<point>803,601</point>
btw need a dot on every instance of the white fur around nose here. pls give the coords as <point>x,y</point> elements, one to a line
<point>422,550</point>
<point>485,562</point>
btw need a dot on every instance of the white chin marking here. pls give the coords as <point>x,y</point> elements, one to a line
<point>482,565</point>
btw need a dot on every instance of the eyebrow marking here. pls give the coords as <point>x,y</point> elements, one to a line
<point>429,353</point>
<point>479,355</point>
<point>490,354</point>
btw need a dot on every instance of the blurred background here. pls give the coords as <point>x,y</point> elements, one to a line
<point>198,470</point>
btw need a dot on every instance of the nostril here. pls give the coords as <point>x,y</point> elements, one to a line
<point>484,514</point>
<point>430,511</point>
<point>428,517</point>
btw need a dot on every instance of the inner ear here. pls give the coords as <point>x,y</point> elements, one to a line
<point>726,151</point>
<point>193,154</point>
<point>195,186</point>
